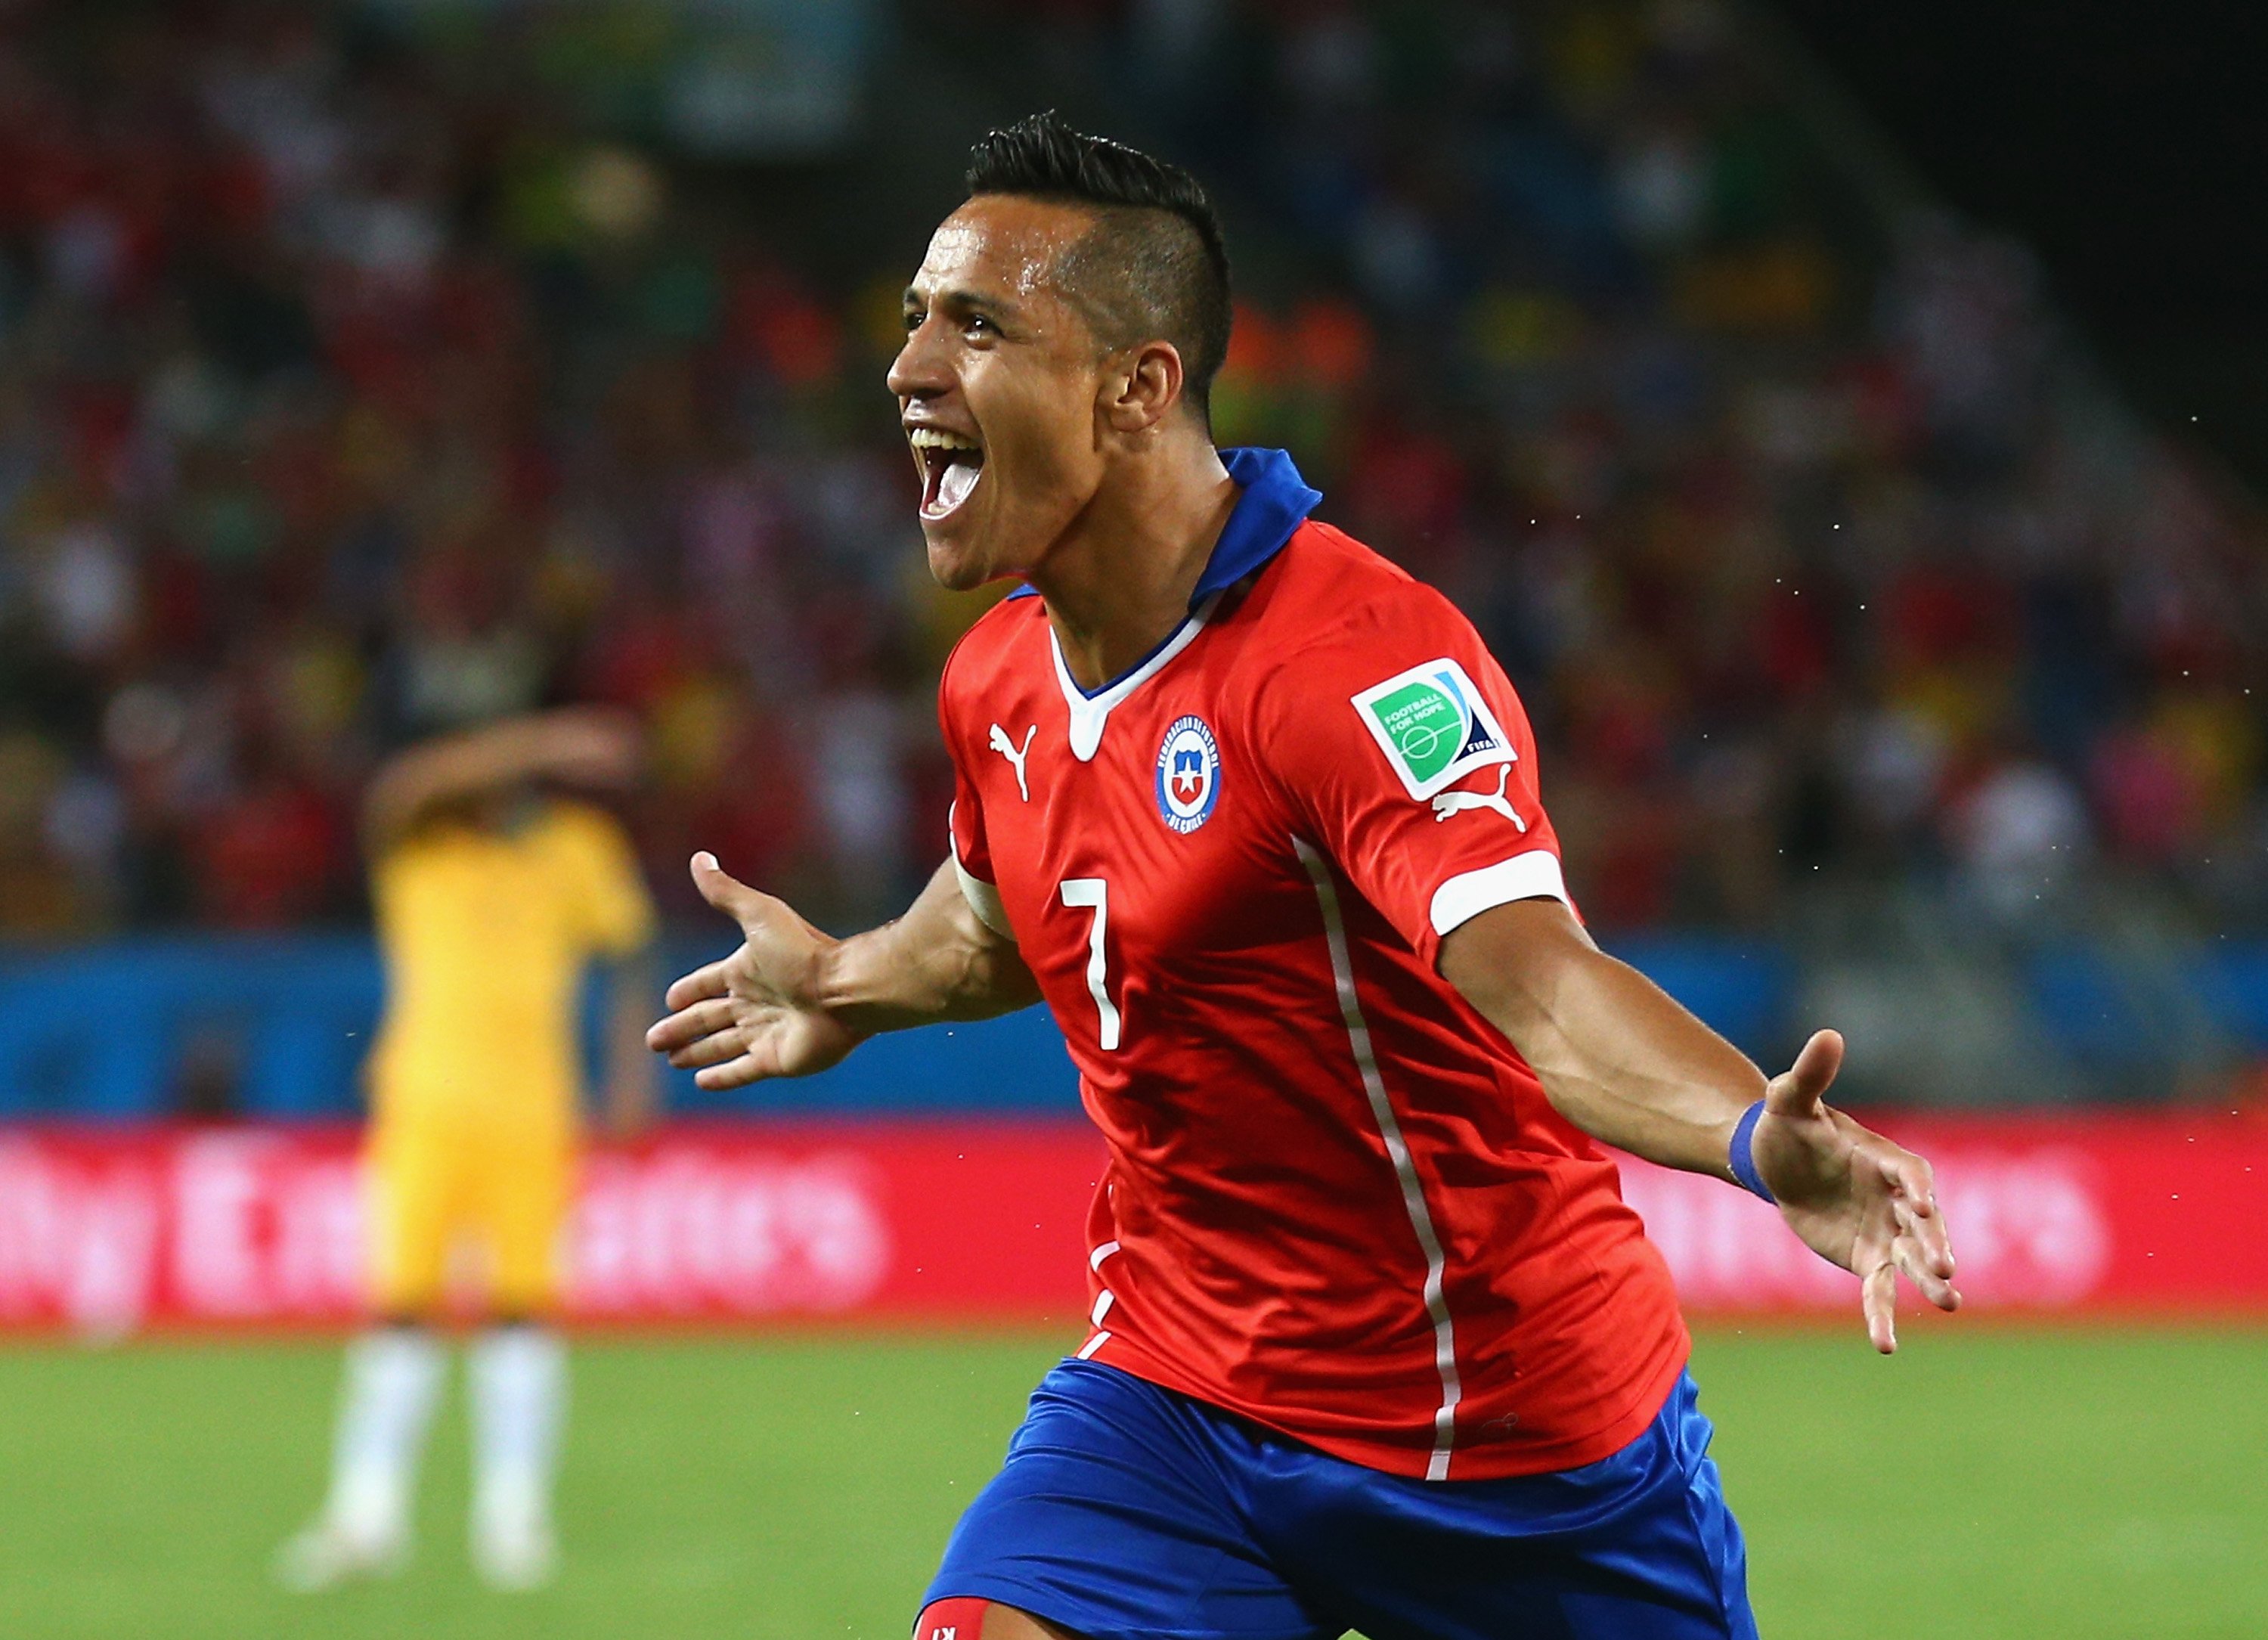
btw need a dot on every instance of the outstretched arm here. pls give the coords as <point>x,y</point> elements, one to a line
<point>1624,1062</point>
<point>793,1000</point>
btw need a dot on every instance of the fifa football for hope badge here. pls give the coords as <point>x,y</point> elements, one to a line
<point>1434,727</point>
<point>1189,774</point>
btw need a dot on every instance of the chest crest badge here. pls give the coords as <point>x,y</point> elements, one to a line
<point>1189,774</point>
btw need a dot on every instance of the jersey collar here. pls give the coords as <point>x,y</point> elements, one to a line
<point>1275,503</point>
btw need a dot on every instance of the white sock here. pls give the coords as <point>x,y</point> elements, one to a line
<point>393,1379</point>
<point>518,1384</point>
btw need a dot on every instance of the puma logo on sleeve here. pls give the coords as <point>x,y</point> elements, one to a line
<point>1456,803</point>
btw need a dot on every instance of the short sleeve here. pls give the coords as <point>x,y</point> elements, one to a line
<point>972,850</point>
<point>616,913</point>
<point>1399,744</point>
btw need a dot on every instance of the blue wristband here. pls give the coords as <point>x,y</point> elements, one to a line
<point>1743,1157</point>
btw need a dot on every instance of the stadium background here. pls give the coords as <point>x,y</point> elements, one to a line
<point>364,365</point>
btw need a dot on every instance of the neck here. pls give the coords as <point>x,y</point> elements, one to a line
<point>1119,581</point>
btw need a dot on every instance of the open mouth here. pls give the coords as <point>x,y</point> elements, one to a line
<point>950,465</point>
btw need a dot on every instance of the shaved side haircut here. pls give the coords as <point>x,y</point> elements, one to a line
<point>1152,268</point>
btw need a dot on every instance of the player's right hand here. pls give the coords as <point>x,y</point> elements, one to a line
<point>757,1013</point>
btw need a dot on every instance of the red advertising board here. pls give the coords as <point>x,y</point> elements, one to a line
<point>2096,1212</point>
<point>109,1231</point>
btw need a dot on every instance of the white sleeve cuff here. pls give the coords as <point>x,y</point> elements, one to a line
<point>1532,875</point>
<point>983,899</point>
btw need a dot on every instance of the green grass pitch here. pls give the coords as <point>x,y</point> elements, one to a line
<point>1986,1483</point>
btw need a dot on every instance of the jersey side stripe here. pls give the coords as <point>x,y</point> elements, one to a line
<point>1398,1151</point>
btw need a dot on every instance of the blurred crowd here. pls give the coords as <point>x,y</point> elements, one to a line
<point>346,396</point>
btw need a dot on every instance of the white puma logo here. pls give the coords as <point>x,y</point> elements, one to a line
<point>1015,755</point>
<point>1456,803</point>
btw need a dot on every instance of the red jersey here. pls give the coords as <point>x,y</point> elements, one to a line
<point>1338,1202</point>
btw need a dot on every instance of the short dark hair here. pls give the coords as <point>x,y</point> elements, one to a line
<point>1153,265</point>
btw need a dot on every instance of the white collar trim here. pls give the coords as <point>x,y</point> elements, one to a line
<point>1090,712</point>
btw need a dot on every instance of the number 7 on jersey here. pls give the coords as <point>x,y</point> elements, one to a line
<point>1095,893</point>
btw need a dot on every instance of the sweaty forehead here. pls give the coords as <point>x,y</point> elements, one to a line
<point>1003,245</point>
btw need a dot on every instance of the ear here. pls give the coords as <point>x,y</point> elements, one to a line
<point>1141,387</point>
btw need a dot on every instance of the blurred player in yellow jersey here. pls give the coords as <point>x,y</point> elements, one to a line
<point>493,891</point>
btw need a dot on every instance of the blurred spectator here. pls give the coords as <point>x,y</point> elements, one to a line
<point>360,375</point>
<point>2020,835</point>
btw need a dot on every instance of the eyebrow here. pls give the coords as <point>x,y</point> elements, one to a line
<point>958,299</point>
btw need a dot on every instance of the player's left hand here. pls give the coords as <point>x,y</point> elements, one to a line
<point>1856,1199</point>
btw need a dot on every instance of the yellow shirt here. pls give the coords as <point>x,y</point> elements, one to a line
<point>485,935</point>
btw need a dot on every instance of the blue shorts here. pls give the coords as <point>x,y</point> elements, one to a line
<point>1127,1511</point>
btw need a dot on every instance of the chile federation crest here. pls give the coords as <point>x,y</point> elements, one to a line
<point>1189,774</point>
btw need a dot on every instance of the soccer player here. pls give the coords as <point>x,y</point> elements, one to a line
<point>493,891</point>
<point>1374,1342</point>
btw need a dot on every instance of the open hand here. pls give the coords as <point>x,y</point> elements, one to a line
<point>1856,1199</point>
<point>757,1013</point>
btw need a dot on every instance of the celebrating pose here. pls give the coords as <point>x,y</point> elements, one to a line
<point>1375,1341</point>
